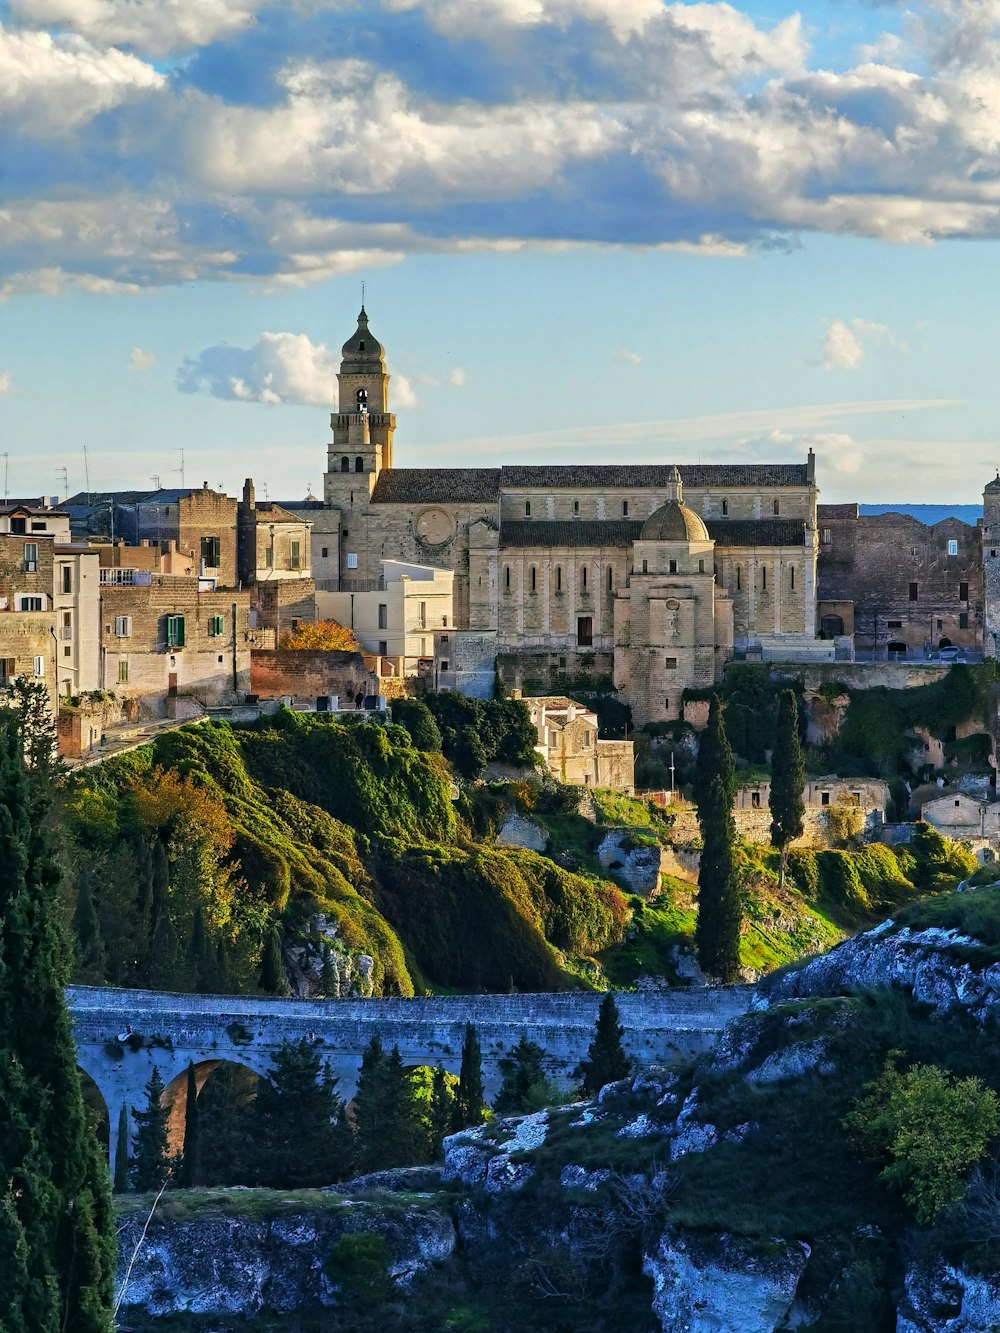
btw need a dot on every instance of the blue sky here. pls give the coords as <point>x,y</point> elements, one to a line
<point>589,229</point>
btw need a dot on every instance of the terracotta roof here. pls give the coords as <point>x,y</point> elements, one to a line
<point>633,475</point>
<point>532,533</point>
<point>444,485</point>
<point>270,510</point>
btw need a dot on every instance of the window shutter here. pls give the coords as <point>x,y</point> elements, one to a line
<point>39,666</point>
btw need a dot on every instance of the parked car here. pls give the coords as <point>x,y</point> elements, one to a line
<point>951,654</point>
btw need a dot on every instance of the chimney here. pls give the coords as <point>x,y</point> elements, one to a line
<point>249,495</point>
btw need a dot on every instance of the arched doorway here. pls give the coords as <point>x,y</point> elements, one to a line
<point>944,643</point>
<point>95,1108</point>
<point>896,650</point>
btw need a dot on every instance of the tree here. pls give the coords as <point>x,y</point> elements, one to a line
<point>418,720</point>
<point>386,1115</point>
<point>121,1152</point>
<point>930,1126</point>
<point>150,1163</point>
<point>470,1105</point>
<point>90,956</point>
<point>227,1147</point>
<point>717,930</point>
<point>606,1060</point>
<point>273,978</point>
<point>163,964</point>
<point>325,635</point>
<point>300,1124</point>
<point>189,1155</point>
<point>57,1234</point>
<point>201,956</point>
<point>788,778</point>
<point>442,1109</point>
<point>523,1076</point>
<point>715,758</point>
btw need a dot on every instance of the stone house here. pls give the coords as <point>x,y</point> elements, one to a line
<point>569,744</point>
<point>397,617</point>
<point>957,815</point>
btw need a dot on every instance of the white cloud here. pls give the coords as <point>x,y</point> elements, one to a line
<point>457,377</point>
<point>53,84</point>
<point>835,452</point>
<point>155,26</point>
<point>6,383</point>
<point>403,393</point>
<point>278,368</point>
<point>844,343</point>
<point>625,354</point>
<point>139,359</point>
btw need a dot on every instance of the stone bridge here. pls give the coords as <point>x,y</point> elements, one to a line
<point>122,1034</point>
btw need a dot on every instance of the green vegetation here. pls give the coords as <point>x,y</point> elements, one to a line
<point>469,1104</point>
<point>57,1234</point>
<point>788,778</point>
<point>359,1265</point>
<point>717,932</point>
<point>524,1086</point>
<point>606,1060</point>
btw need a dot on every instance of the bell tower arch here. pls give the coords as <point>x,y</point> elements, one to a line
<point>362,426</point>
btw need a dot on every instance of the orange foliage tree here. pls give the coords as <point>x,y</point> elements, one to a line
<point>324,634</point>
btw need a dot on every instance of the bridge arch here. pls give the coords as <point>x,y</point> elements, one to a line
<point>175,1094</point>
<point>96,1108</point>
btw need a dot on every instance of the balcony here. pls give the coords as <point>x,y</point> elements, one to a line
<point>65,631</point>
<point>125,578</point>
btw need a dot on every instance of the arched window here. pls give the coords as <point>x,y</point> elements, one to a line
<point>359,465</point>
<point>624,509</point>
<point>611,579</point>
<point>533,578</point>
<point>362,398</point>
<point>345,465</point>
<point>725,507</point>
<point>527,509</point>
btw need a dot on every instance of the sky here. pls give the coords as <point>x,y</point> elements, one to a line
<point>589,230</point>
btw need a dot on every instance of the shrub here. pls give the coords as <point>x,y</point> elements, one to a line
<point>932,1128</point>
<point>359,1265</point>
<point>844,823</point>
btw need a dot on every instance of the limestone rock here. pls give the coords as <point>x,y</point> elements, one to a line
<point>636,864</point>
<point>505,1176</point>
<point>364,966</point>
<point>580,1178</point>
<point>941,1298</point>
<point>723,1284</point>
<point>691,1135</point>
<point>790,1062</point>
<point>520,831</point>
<point>640,1128</point>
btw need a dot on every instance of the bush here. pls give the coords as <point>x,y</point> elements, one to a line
<point>931,1127</point>
<point>359,1265</point>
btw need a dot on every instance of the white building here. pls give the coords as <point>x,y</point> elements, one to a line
<point>396,618</point>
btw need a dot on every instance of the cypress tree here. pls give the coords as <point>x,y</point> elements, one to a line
<point>442,1110</point>
<point>523,1074</point>
<point>189,1157</point>
<point>163,964</point>
<point>470,1106</point>
<point>715,758</point>
<point>788,778</point>
<point>57,1236</point>
<point>121,1152</point>
<point>606,1060</point>
<point>228,1153</point>
<point>201,958</point>
<point>90,956</point>
<point>273,978</point>
<point>717,931</point>
<point>386,1115</point>
<point>299,1121</point>
<point>150,1163</point>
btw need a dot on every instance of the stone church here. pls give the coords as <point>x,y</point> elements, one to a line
<point>651,575</point>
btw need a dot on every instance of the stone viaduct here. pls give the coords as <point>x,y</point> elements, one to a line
<point>122,1034</point>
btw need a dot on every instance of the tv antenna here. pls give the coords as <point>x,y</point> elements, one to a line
<point>86,471</point>
<point>155,479</point>
<point>6,469</point>
<point>64,473</point>
<point>181,468</point>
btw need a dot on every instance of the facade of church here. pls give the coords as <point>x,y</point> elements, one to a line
<point>651,574</point>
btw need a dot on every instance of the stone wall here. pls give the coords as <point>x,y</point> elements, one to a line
<point>309,674</point>
<point>861,675</point>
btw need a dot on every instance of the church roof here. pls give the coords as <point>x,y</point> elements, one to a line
<point>674,522</point>
<point>362,352</point>
<point>528,533</point>
<point>993,486</point>
<point>441,485</point>
<point>611,475</point>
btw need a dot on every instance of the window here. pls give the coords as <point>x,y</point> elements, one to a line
<point>576,506</point>
<point>506,578</point>
<point>894,624</point>
<point>673,567</point>
<point>345,465</point>
<point>826,536</point>
<point>8,670</point>
<point>67,650</point>
<point>383,615</point>
<point>670,663</point>
<point>216,626</point>
<point>586,740</point>
<point>39,527</point>
<point>383,648</point>
<point>824,798</point>
<point>210,552</point>
<point>952,546</point>
<point>611,579</point>
<point>527,509</point>
<point>755,799</point>
<point>738,578</point>
<point>562,663</point>
<point>963,620</point>
<point>666,704</point>
<point>585,631</point>
<point>175,631</point>
<point>445,664</point>
<point>624,509</point>
<point>324,551</point>
<point>725,508</point>
<point>123,671</point>
<point>913,592</point>
<point>123,627</point>
<point>30,556</point>
<point>558,578</point>
<point>352,559</point>
<point>18,525</point>
<point>701,566</point>
<point>583,578</point>
<point>269,555</point>
<point>39,665</point>
<point>359,464</point>
<point>295,557</point>
<point>362,394</point>
<point>791,578</point>
<point>645,566</point>
<point>67,578</point>
<point>777,507</point>
<point>763,579</point>
<point>26,602</point>
<point>534,579</point>
<point>963,592</point>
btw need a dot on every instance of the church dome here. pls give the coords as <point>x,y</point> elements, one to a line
<point>673,521</point>
<point>993,486</point>
<point>362,352</point>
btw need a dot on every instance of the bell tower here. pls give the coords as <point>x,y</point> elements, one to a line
<point>362,427</point>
